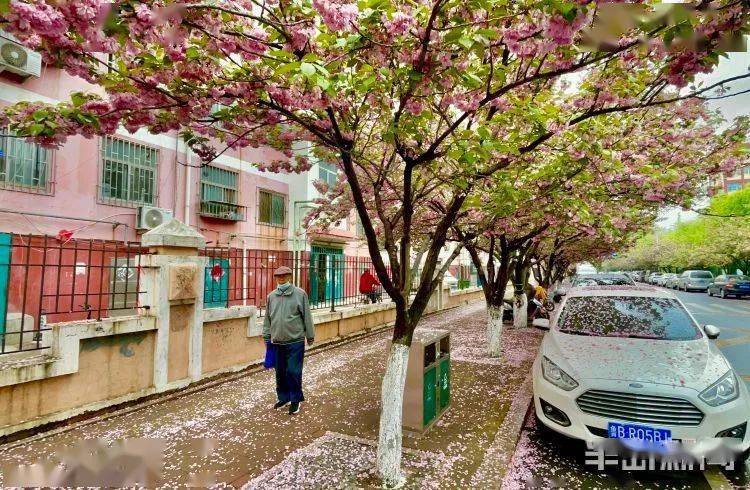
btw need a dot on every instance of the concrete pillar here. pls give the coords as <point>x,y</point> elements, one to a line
<point>171,276</point>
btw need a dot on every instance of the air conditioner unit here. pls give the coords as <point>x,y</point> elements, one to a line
<point>18,59</point>
<point>150,217</point>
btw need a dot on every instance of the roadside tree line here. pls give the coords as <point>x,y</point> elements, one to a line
<point>718,240</point>
<point>533,133</point>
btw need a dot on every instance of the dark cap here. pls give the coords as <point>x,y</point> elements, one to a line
<point>282,271</point>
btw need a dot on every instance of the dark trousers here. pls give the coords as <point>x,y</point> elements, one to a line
<point>289,359</point>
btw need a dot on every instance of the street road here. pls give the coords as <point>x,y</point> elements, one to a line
<point>732,316</point>
<point>548,461</point>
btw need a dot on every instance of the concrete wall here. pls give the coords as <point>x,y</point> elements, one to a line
<point>109,368</point>
<point>96,364</point>
<point>226,346</point>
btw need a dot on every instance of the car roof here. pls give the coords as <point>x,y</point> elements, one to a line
<point>620,290</point>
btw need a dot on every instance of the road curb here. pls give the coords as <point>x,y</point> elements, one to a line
<point>497,459</point>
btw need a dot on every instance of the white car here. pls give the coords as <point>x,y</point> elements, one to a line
<point>632,360</point>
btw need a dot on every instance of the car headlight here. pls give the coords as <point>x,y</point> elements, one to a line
<point>722,391</point>
<point>557,376</point>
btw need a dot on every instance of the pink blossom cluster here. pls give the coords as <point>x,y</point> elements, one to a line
<point>685,66</point>
<point>399,23</point>
<point>654,196</point>
<point>301,35</point>
<point>337,16</point>
<point>501,103</point>
<point>414,106</point>
<point>560,31</point>
<point>37,17</point>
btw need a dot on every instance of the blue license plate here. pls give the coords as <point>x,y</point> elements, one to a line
<point>744,286</point>
<point>617,430</point>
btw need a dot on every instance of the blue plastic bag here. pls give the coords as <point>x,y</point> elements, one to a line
<point>270,361</point>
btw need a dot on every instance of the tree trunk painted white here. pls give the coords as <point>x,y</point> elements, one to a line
<point>391,420</point>
<point>520,319</point>
<point>494,330</point>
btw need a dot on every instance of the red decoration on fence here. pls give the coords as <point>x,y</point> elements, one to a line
<point>217,272</point>
<point>64,235</point>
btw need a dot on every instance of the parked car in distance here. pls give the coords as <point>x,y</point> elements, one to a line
<point>662,281</point>
<point>636,276</point>
<point>694,280</point>
<point>602,279</point>
<point>632,362</point>
<point>671,282</point>
<point>727,285</point>
<point>639,276</point>
<point>654,277</point>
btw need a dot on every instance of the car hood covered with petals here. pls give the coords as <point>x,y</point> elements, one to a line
<point>688,363</point>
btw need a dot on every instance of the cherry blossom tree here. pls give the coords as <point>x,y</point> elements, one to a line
<point>588,195</point>
<point>719,239</point>
<point>450,92</point>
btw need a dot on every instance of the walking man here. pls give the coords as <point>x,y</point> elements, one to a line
<point>288,322</point>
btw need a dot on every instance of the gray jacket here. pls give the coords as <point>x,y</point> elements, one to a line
<point>288,318</point>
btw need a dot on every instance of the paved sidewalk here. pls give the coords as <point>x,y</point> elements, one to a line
<point>227,435</point>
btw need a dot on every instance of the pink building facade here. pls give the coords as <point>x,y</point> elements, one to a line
<point>96,187</point>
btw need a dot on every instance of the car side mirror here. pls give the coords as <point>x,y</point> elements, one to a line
<point>541,323</point>
<point>712,331</point>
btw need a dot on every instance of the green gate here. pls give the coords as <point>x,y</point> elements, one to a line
<point>326,274</point>
<point>5,253</point>
<point>216,284</point>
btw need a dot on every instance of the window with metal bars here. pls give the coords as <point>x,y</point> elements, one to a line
<point>24,166</point>
<point>220,193</point>
<point>128,172</point>
<point>327,172</point>
<point>271,208</point>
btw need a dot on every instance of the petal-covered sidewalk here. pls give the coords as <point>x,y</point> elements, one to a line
<point>227,435</point>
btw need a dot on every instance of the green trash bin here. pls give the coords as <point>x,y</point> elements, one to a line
<point>428,380</point>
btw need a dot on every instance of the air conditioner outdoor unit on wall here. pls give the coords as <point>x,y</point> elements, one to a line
<point>150,217</point>
<point>18,59</point>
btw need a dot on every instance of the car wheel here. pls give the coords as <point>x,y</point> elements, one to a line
<point>722,294</point>
<point>708,290</point>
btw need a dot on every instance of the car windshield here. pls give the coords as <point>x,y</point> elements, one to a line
<point>701,275</point>
<point>603,281</point>
<point>739,278</point>
<point>627,316</point>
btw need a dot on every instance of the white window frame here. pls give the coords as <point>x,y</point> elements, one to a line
<point>286,208</point>
<point>226,190</point>
<point>326,172</point>
<point>11,141</point>
<point>131,167</point>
